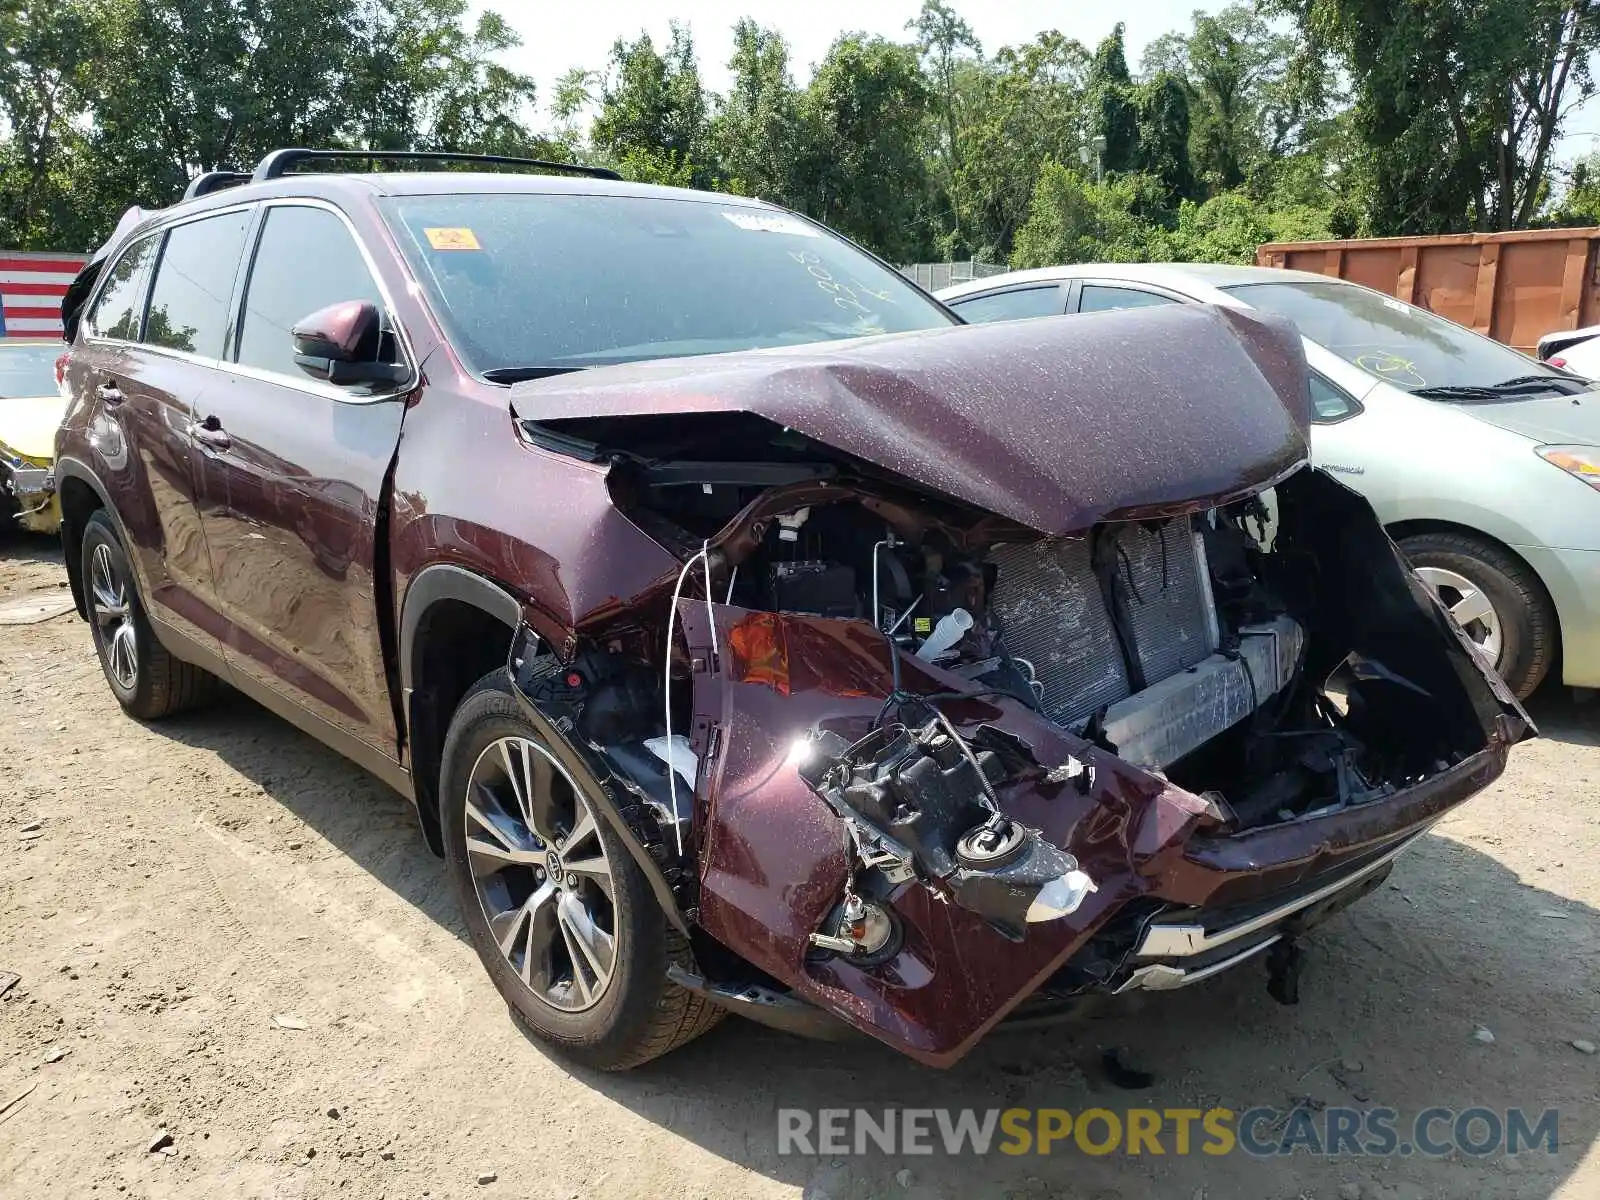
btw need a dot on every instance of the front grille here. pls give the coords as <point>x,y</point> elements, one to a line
<point>1051,611</point>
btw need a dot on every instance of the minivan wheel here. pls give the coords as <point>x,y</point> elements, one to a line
<point>557,909</point>
<point>1497,600</point>
<point>147,681</point>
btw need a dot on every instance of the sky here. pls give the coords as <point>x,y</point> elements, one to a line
<point>579,34</point>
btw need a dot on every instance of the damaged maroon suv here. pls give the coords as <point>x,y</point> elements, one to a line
<point>751,635</point>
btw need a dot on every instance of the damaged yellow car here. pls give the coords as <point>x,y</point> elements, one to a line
<point>30,410</point>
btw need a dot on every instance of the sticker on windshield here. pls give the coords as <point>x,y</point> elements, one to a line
<point>771,223</point>
<point>1399,306</point>
<point>457,238</point>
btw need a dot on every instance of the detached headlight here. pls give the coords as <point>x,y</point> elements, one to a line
<point>1582,461</point>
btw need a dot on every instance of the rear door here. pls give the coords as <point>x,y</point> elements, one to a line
<point>292,476</point>
<point>149,349</point>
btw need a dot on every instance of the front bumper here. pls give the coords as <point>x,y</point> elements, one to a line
<point>33,489</point>
<point>1572,577</point>
<point>1176,951</point>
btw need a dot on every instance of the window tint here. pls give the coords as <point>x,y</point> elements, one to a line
<point>1099,298</point>
<point>1010,306</point>
<point>1330,403</point>
<point>189,301</point>
<point>305,261</point>
<point>121,305</point>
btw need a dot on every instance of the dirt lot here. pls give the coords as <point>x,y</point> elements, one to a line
<point>188,883</point>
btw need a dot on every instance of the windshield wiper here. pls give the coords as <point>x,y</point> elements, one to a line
<point>1521,385</point>
<point>522,374</point>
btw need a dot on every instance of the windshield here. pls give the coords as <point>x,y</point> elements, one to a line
<point>28,370</point>
<point>559,282</point>
<point>1401,344</point>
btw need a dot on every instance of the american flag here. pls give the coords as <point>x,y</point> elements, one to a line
<point>31,287</point>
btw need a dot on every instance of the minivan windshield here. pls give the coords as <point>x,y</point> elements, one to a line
<point>1401,344</point>
<point>536,283</point>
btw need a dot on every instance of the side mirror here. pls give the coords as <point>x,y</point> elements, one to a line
<point>341,344</point>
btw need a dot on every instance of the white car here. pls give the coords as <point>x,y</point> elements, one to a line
<point>1574,350</point>
<point>1483,464</point>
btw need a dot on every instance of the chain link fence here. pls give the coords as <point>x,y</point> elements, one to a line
<point>933,276</point>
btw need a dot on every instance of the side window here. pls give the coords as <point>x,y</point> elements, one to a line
<point>1097,297</point>
<point>191,297</point>
<point>1330,403</point>
<point>1011,306</point>
<point>118,312</point>
<point>305,261</point>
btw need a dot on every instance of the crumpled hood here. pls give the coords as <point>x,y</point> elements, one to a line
<point>1553,420</point>
<point>1055,422</point>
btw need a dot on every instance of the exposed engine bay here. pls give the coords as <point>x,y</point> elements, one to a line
<point>1181,645</point>
<point>917,738</point>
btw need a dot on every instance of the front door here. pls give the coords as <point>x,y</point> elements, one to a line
<point>292,473</point>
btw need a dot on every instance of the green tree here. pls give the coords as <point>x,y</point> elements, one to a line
<point>756,129</point>
<point>423,80</point>
<point>1111,92</point>
<point>861,166</point>
<point>949,49</point>
<point>1074,220</point>
<point>1162,105</point>
<point>1030,108</point>
<point>47,48</point>
<point>204,84</point>
<point>653,107</point>
<point>1457,106</point>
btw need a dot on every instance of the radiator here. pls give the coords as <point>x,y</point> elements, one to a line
<point>1052,611</point>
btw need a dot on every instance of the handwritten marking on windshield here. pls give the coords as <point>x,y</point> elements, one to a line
<point>1392,367</point>
<point>845,296</point>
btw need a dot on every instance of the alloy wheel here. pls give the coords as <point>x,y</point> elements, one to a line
<point>542,874</point>
<point>113,618</point>
<point>1470,605</point>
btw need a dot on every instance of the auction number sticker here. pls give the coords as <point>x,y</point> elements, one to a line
<point>771,223</point>
<point>457,238</point>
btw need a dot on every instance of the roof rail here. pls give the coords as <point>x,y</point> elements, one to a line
<point>214,181</point>
<point>279,162</point>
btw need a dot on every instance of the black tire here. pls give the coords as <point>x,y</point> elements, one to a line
<point>159,684</point>
<point>1529,633</point>
<point>641,1014</point>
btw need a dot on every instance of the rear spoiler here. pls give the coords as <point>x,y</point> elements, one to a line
<point>77,293</point>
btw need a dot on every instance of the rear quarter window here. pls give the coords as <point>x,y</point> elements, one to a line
<point>119,311</point>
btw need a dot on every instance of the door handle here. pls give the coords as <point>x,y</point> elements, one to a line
<point>109,393</point>
<point>210,432</point>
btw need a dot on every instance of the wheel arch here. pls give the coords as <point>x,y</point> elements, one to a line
<point>81,495</point>
<point>455,627</point>
<point>1398,531</point>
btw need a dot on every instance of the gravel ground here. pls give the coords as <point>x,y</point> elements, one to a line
<point>227,935</point>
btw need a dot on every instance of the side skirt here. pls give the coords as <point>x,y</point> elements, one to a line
<point>366,757</point>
